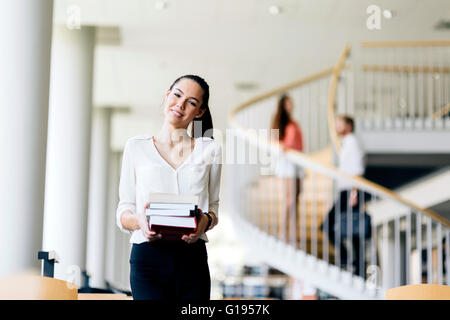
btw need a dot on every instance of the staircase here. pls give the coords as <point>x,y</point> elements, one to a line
<point>411,244</point>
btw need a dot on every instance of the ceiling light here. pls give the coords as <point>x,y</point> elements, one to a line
<point>160,5</point>
<point>244,85</point>
<point>274,10</point>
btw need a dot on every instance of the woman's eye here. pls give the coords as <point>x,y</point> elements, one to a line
<point>193,103</point>
<point>176,94</point>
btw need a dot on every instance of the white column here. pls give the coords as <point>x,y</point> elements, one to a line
<point>111,228</point>
<point>98,195</point>
<point>67,175</point>
<point>25,32</point>
<point>117,269</point>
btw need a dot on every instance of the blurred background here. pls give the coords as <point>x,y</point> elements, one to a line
<point>81,77</point>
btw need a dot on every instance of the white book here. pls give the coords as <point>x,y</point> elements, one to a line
<point>171,205</point>
<point>183,222</point>
<point>172,198</point>
<point>170,212</point>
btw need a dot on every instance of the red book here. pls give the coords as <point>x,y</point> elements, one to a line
<point>172,228</point>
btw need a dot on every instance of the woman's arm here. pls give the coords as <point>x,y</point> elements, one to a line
<point>127,218</point>
<point>127,192</point>
<point>131,221</point>
<point>214,220</point>
<point>214,186</point>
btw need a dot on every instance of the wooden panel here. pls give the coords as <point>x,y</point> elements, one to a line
<point>419,292</point>
<point>103,296</point>
<point>30,287</point>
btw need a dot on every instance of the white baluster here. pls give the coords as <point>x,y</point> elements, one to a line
<point>439,253</point>
<point>419,244</point>
<point>408,248</point>
<point>429,251</point>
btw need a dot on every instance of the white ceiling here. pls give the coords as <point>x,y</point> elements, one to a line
<point>229,41</point>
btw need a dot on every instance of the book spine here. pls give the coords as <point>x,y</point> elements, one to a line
<point>168,205</point>
<point>169,212</point>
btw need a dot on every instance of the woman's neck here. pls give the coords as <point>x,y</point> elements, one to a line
<point>172,135</point>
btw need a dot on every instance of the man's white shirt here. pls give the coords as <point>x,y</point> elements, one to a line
<point>351,160</point>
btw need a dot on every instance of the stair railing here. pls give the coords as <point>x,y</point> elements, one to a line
<point>403,85</point>
<point>412,248</point>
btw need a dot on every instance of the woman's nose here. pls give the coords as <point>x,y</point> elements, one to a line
<point>180,104</point>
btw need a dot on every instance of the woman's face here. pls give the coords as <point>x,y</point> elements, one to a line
<point>341,126</point>
<point>182,103</point>
<point>288,105</point>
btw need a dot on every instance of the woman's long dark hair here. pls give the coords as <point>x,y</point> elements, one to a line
<point>204,124</point>
<point>282,117</point>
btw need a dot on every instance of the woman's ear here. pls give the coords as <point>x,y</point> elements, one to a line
<point>200,112</point>
<point>167,93</point>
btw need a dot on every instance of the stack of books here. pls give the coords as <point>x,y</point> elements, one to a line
<point>172,215</point>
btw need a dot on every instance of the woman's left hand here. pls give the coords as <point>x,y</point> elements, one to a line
<point>201,226</point>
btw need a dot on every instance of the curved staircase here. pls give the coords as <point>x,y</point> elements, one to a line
<point>403,249</point>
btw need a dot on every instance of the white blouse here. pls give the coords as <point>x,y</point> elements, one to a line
<point>144,170</point>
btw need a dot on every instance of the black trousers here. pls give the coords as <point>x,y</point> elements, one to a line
<point>329,225</point>
<point>175,271</point>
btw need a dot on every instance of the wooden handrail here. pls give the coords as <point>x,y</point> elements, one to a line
<point>280,90</point>
<point>405,44</point>
<point>303,159</point>
<point>410,69</point>
<point>332,97</point>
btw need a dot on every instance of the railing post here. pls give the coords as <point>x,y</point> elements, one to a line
<point>439,253</point>
<point>385,254</point>
<point>447,255</point>
<point>362,235</point>
<point>397,259</point>
<point>303,221</point>
<point>349,231</point>
<point>373,242</point>
<point>429,251</point>
<point>337,233</point>
<point>408,248</point>
<point>314,215</point>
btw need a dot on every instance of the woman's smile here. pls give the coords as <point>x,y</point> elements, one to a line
<point>176,113</point>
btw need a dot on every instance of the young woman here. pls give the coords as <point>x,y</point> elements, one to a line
<point>172,162</point>
<point>290,137</point>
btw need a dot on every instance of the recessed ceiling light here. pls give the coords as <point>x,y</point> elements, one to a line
<point>388,14</point>
<point>274,10</point>
<point>244,85</point>
<point>160,5</point>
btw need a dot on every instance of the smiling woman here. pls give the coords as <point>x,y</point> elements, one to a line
<point>202,124</point>
<point>172,162</point>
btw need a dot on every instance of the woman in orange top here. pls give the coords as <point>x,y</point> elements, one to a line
<point>290,137</point>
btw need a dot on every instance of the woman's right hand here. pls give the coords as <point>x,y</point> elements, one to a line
<point>143,225</point>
